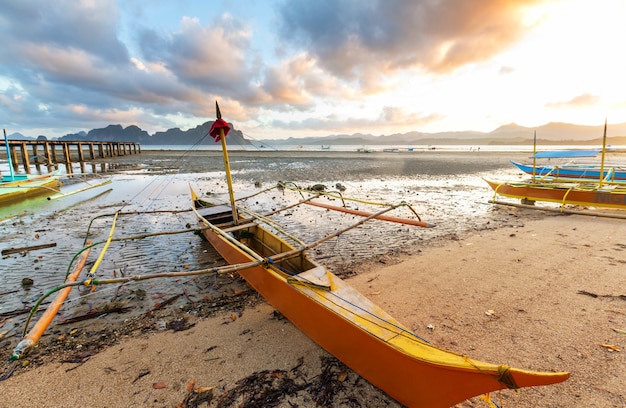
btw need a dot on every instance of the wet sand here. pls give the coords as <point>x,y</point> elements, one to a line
<point>516,287</point>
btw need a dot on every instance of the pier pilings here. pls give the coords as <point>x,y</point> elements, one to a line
<point>52,152</point>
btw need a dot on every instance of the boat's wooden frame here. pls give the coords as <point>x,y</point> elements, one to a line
<point>344,322</point>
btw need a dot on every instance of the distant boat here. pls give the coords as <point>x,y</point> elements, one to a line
<point>391,150</point>
<point>363,150</point>
<point>586,191</point>
<point>21,189</point>
<point>17,187</point>
<point>325,147</point>
<point>568,165</point>
<point>586,194</point>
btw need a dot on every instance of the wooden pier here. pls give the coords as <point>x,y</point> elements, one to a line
<point>52,152</point>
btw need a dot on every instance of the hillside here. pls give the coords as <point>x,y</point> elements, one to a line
<point>551,133</point>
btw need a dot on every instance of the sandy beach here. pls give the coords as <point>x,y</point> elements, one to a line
<point>543,295</point>
<point>537,290</point>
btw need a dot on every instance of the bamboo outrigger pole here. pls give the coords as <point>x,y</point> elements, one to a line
<point>227,166</point>
<point>30,339</point>
<point>406,221</point>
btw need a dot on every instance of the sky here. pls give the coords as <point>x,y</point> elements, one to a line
<point>297,68</point>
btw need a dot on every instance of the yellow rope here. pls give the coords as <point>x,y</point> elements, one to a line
<point>92,271</point>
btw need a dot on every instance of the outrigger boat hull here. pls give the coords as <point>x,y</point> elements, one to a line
<point>14,191</point>
<point>589,194</point>
<point>349,326</point>
<point>572,171</point>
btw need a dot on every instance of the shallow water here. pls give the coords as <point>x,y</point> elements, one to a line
<point>445,189</point>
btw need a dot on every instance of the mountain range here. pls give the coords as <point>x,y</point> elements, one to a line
<point>551,133</point>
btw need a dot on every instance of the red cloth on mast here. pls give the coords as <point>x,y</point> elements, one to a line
<point>215,129</point>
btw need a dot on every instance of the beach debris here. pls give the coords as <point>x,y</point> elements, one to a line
<point>190,385</point>
<point>340,187</point>
<point>329,385</point>
<point>141,375</point>
<point>265,388</point>
<point>180,324</point>
<point>492,313</point>
<point>258,184</point>
<point>317,187</point>
<point>13,313</point>
<point>615,329</point>
<point>24,250</point>
<point>610,347</point>
<point>80,358</point>
<point>430,327</point>
<point>112,307</point>
<point>159,385</point>
<point>139,294</point>
<point>196,396</point>
<point>188,296</point>
<point>594,295</point>
<point>160,305</point>
<point>27,282</point>
<point>6,375</point>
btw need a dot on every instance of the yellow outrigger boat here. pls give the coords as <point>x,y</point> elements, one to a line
<point>17,187</point>
<point>17,190</point>
<point>340,319</point>
<point>601,192</point>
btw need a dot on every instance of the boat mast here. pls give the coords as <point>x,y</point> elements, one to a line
<point>229,180</point>
<point>603,152</point>
<point>534,156</point>
<point>6,144</point>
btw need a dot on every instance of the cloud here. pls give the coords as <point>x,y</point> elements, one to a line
<point>368,40</point>
<point>72,56</point>
<point>83,64</point>
<point>90,26</point>
<point>584,100</point>
<point>211,56</point>
<point>389,118</point>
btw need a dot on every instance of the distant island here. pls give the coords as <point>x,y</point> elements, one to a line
<point>551,133</point>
